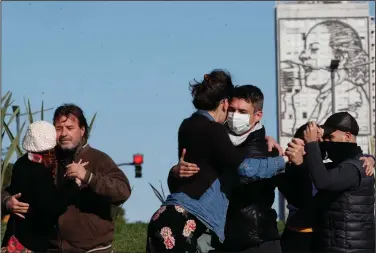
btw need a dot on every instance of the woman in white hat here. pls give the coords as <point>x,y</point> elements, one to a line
<point>34,179</point>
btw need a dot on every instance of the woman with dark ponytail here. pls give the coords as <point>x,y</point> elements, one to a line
<point>200,202</point>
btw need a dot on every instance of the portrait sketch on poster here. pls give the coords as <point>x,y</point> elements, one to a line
<point>306,49</point>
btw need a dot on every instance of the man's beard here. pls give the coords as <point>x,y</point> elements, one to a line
<point>66,151</point>
<point>69,146</point>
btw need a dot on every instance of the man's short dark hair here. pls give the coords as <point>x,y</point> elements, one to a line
<point>251,94</point>
<point>72,109</point>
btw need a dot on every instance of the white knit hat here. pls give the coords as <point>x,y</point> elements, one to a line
<point>40,136</point>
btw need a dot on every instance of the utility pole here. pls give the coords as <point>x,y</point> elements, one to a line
<point>333,67</point>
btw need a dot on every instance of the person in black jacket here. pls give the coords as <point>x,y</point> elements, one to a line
<point>344,212</point>
<point>251,221</point>
<point>33,180</point>
<point>200,202</point>
<point>297,187</point>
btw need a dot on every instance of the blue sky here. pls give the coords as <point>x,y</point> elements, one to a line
<point>131,62</point>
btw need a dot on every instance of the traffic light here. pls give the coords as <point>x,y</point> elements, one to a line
<point>138,160</point>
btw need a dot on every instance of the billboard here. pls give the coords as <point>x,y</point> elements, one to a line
<point>306,49</point>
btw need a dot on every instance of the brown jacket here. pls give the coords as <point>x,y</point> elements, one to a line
<point>87,223</point>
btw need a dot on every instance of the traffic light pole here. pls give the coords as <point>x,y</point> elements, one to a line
<point>138,160</point>
<point>124,164</point>
<point>138,168</point>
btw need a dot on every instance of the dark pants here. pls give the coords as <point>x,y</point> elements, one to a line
<point>173,229</point>
<point>296,242</point>
<point>265,247</point>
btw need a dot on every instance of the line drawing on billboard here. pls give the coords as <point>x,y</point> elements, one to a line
<point>306,49</point>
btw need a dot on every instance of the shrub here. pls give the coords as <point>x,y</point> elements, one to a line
<point>128,237</point>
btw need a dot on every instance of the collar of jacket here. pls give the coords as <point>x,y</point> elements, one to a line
<point>81,147</point>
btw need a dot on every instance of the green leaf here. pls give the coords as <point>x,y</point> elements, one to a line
<point>30,114</point>
<point>163,194</point>
<point>157,193</point>
<point>13,147</point>
<point>11,137</point>
<point>3,112</point>
<point>5,96</point>
<point>91,124</point>
<point>7,101</point>
<point>12,117</point>
<point>118,211</point>
<point>4,108</point>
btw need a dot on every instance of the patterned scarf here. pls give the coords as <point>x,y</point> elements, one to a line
<point>48,159</point>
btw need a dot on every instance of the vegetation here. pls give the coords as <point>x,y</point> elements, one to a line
<point>128,237</point>
<point>6,102</point>
<point>159,194</point>
<point>7,175</point>
<point>131,237</point>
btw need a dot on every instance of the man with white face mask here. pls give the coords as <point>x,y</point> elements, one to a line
<point>244,113</point>
<point>251,222</point>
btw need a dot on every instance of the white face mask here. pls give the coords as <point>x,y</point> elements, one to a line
<point>238,123</point>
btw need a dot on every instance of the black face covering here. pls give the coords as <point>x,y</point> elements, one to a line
<point>339,151</point>
<point>324,150</point>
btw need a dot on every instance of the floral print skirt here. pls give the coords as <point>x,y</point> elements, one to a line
<point>173,229</point>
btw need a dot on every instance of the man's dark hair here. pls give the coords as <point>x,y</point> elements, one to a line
<point>251,94</point>
<point>300,132</point>
<point>215,87</point>
<point>72,109</point>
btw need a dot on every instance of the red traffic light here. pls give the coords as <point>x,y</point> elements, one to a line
<point>138,159</point>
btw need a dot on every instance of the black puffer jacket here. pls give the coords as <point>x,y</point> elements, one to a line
<point>251,219</point>
<point>345,220</point>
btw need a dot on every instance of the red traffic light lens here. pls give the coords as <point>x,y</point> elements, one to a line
<point>138,159</point>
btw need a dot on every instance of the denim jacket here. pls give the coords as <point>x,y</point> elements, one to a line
<point>212,206</point>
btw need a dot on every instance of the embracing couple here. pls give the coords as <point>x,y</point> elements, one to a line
<point>228,156</point>
<point>62,191</point>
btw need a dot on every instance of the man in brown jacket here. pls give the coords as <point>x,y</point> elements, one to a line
<point>87,224</point>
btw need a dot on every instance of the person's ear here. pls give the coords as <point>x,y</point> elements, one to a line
<point>258,116</point>
<point>82,129</point>
<point>347,137</point>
